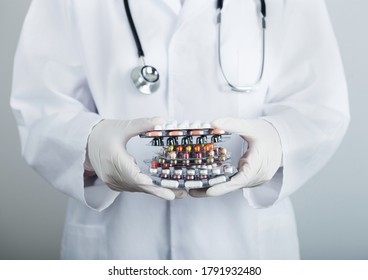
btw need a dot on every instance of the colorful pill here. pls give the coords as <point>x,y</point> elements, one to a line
<point>155,164</point>
<point>197,148</point>
<point>196,132</point>
<point>222,158</point>
<point>154,133</point>
<point>222,151</point>
<point>211,153</point>
<point>176,133</point>
<point>216,138</point>
<point>201,140</point>
<point>190,177</point>
<point>170,141</point>
<point>156,141</point>
<point>217,131</point>
<point>187,140</point>
<point>172,155</point>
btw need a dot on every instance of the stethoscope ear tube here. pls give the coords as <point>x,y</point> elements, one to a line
<point>243,88</point>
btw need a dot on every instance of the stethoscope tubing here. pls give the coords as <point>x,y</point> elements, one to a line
<point>134,30</point>
<point>245,88</point>
<point>145,86</point>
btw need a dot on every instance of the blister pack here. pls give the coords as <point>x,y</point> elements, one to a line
<point>188,156</point>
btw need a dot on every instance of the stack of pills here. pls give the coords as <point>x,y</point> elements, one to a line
<point>190,156</point>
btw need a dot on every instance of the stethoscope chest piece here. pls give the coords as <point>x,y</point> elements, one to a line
<point>146,78</point>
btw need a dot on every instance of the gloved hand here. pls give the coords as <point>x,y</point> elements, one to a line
<point>114,165</point>
<point>261,160</point>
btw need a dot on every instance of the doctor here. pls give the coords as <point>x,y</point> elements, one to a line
<point>78,111</point>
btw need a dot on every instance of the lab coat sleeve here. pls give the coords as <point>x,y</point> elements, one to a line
<point>307,100</point>
<point>52,103</point>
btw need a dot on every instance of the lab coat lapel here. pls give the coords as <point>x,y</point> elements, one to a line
<point>174,5</point>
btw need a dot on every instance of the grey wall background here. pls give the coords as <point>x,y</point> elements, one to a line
<point>331,209</point>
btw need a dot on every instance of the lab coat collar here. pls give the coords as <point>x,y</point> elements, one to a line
<point>174,5</point>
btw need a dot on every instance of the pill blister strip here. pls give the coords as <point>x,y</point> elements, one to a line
<point>190,159</point>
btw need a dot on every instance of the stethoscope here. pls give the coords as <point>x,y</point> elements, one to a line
<point>147,79</point>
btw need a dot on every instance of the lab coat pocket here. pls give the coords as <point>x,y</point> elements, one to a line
<point>84,242</point>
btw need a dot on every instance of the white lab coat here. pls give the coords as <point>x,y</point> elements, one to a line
<point>74,59</point>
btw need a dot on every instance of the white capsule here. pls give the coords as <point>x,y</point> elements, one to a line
<point>184,125</point>
<point>169,126</point>
<point>205,125</point>
<point>217,180</point>
<point>169,183</point>
<point>203,172</point>
<point>158,127</point>
<point>166,171</point>
<point>195,124</point>
<point>193,184</point>
<point>178,172</point>
<point>216,170</point>
<point>153,170</point>
<point>228,169</point>
<point>190,172</point>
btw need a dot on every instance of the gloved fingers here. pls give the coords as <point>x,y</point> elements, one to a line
<point>198,193</point>
<point>163,193</point>
<point>234,125</point>
<point>180,193</point>
<point>238,181</point>
<point>257,167</point>
<point>143,179</point>
<point>119,187</point>
<point>149,189</point>
<point>128,171</point>
<point>144,183</point>
<point>137,126</point>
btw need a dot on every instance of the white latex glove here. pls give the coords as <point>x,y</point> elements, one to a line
<point>261,160</point>
<point>114,165</point>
